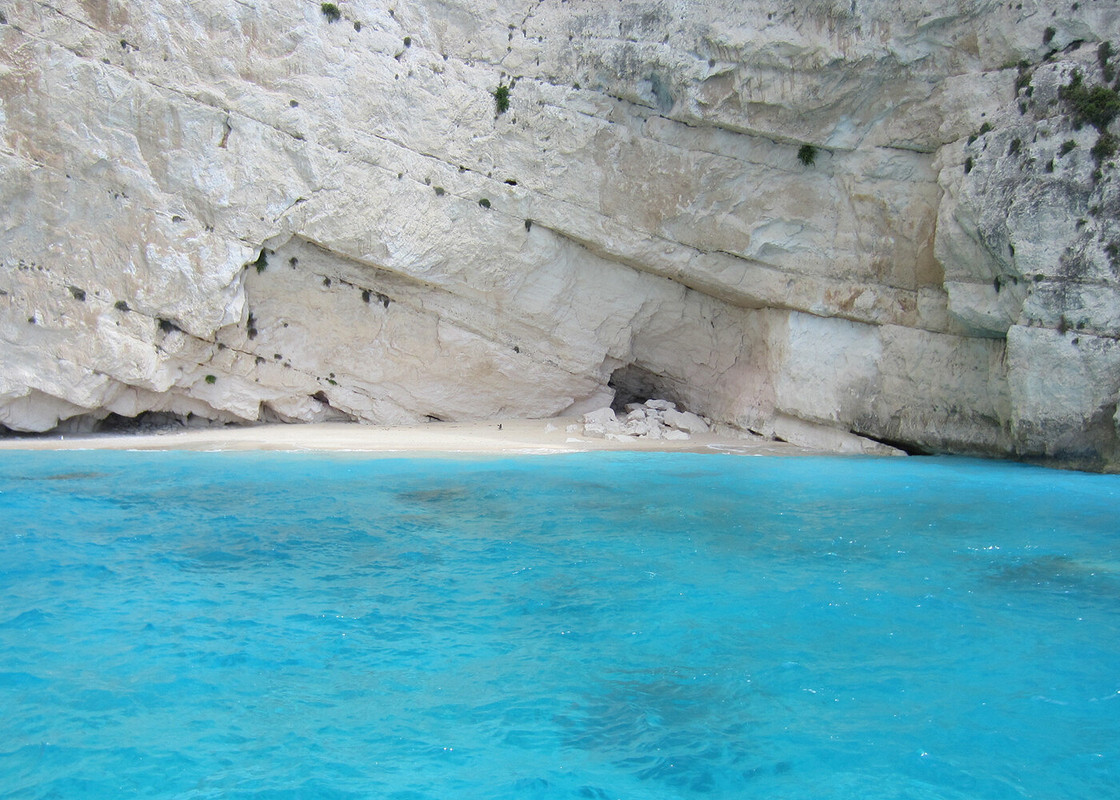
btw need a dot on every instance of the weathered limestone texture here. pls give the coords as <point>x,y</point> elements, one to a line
<point>897,220</point>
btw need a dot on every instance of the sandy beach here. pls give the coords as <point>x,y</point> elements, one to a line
<point>527,436</point>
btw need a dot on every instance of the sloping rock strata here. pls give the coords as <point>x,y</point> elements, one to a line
<point>894,220</point>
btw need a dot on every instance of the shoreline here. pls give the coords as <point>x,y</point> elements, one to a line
<point>511,436</point>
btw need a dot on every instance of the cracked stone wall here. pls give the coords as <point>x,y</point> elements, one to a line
<point>237,211</point>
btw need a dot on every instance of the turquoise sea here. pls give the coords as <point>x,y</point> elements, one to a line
<point>205,625</point>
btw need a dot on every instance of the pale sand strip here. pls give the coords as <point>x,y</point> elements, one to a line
<point>514,436</point>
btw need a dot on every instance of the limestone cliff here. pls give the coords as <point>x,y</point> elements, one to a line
<point>894,219</point>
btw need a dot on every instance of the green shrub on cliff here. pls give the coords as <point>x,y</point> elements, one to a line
<point>1097,105</point>
<point>331,12</point>
<point>807,154</point>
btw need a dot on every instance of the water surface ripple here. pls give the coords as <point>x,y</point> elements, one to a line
<point>249,625</point>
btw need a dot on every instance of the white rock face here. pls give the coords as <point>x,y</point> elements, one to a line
<point>242,211</point>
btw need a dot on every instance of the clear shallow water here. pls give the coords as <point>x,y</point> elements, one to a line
<point>187,625</point>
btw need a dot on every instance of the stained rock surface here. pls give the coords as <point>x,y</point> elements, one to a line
<point>892,220</point>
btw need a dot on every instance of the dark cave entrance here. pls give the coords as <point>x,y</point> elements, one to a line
<point>633,384</point>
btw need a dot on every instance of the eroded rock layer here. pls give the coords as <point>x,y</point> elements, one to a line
<point>891,219</point>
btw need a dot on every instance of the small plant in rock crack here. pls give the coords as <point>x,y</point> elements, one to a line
<point>1105,148</point>
<point>807,154</point>
<point>985,128</point>
<point>331,12</point>
<point>1022,76</point>
<point>501,99</point>
<point>211,379</point>
<point>1104,53</point>
<point>1113,251</point>
<point>261,263</point>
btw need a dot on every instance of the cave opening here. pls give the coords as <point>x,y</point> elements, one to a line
<point>634,384</point>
